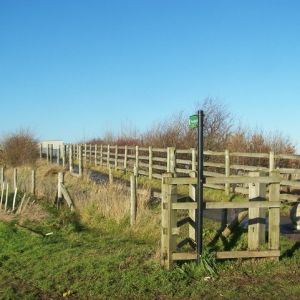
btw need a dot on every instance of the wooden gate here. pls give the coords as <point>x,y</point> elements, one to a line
<point>257,205</point>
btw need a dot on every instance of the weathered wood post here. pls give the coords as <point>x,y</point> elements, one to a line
<point>64,155</point>
<point>58,155</point>
<point>75,152</point>
<point>194,161</point>
<point>95,151</point>
<point>133,202</point>
<point>171,160</point>
<point>271,161</point>
<point>51,153</point>
<point>116,157</point>
<point>108,156</point>
<point>125,157</point>
<point>14,200</point>
<point>110,176</point>
<point>80,161</point>
<point>227,171</point>
<point>2,194</point>
<point>136,174</point>
<point>90,154</point>
<point>101,155</point>
<point>71,158</point>
<point>6,196</point>
<point>192,212</point>
<point>137,158</point>
<point>84,154</point>
<point>48,153</point>
<point>274,214</point>
<point>15,178</point>
<point>60,181</point>
<point>1,175</point>
<point>150,161</point>
<point>168,221</point>
<point>257,216</point>
<point>41,151</point>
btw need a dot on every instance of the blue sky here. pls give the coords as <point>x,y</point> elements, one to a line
<point>75,69</point>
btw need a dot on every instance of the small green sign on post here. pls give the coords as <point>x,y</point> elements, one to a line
<point>193,121</point>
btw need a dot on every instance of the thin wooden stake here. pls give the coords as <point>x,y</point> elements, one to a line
<point>6,197</point>
<point>110,176</point>
<point>14,200</point>
<point>1,175</point>
<point>95,151</point>
<point>2,194</point>
<point>60,181</point>
<point>133,202</point>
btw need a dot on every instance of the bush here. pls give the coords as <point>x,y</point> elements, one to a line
<point>20,148</point>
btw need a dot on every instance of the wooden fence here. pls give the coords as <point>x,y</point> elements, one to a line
<point>171,250</point>
<point>153,162</point>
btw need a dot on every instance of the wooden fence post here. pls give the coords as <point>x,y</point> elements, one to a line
<point>95,153</point>
<point>48,153</point>
<point>271,161</point>
<point>108,156</point>
<point>168,222</point>
<point>125,157</point>
<point>227,171</point>
<point>84,154</point>
<point>80,161</point>
<point>150,162</point>
<point>194,162</point>
<point>6,196</point>
<point>90,154</point>
<point>116,157</point>
<point>59,191</point>
<point>274,215</point>
<point>64,155</point>
<point>15,178</point>
<point>41,151</point>
<point>171,160</point>
<point>71,158</point>
<point>137,158</point>
<point>101,155</point>
<point>58,155</point>
<point>33,182</point>
<point>257,216</point>
<point>110,176</point>
<point>51,153</point>
<point>133,202</point>
<point>1,175</point>
<point>2,194</point>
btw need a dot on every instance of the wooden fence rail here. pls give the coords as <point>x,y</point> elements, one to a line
<point>171,225</point>
<point>153,162</point>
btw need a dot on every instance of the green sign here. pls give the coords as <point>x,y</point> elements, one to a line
<point>193,121</point>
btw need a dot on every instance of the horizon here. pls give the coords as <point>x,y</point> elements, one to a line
<point>74,70</point>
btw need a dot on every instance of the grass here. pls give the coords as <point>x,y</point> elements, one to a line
<point>95,254</point>
<point>112,261</point>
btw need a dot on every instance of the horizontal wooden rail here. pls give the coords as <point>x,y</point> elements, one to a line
<point>229,179</point>
<point>223,205</point>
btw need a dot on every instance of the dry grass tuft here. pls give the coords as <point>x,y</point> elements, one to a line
<point>93,201</point>
<point>32,212</point>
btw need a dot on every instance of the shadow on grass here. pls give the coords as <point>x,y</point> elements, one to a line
<point>290,252</point>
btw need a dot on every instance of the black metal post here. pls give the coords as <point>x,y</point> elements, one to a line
<point>200,179</point>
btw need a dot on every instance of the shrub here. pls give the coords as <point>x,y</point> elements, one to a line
<point>20,148</point>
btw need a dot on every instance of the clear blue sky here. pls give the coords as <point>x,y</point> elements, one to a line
<point>73,69</point>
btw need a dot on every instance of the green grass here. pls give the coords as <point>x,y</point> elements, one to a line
<point>111,261</point>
